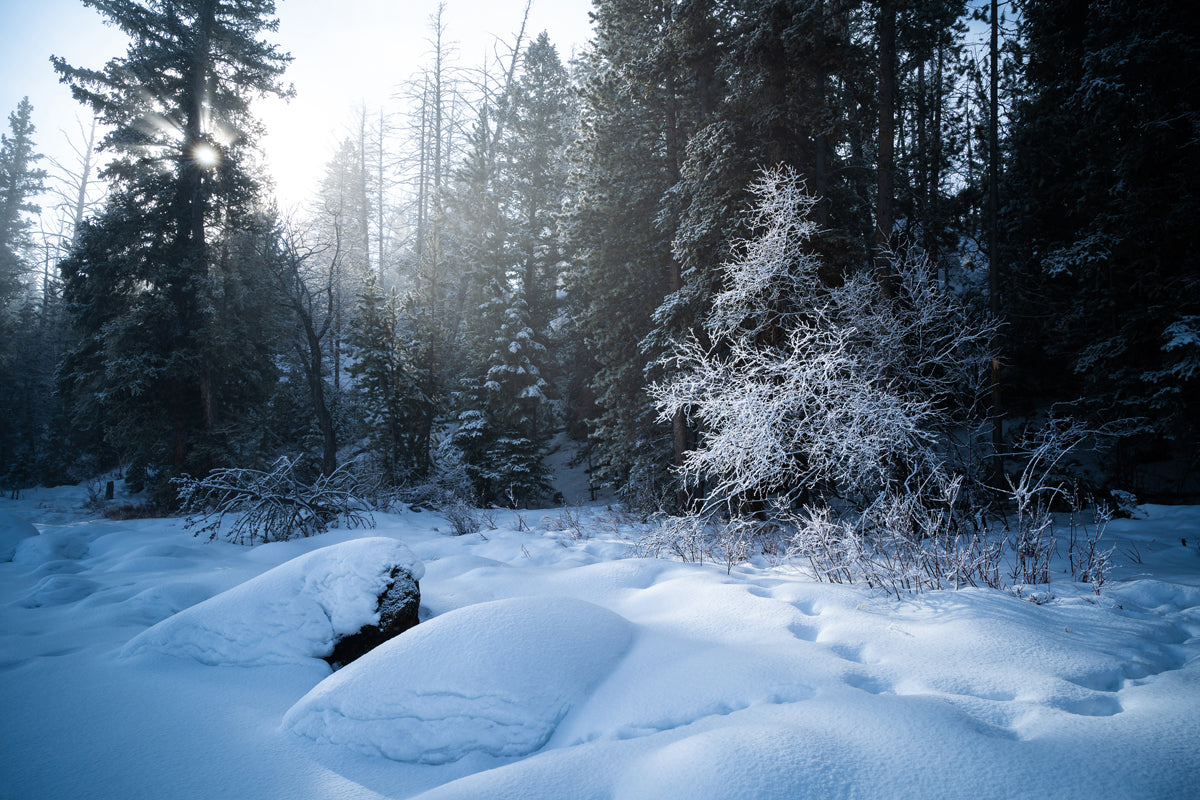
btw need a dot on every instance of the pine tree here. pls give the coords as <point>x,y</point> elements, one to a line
<point>505,205</point>
<point>1104,177</point>
<point>480,234</point>
<point>181,133</point>
<point>25,344</point>
<point>619,231</point>
<point>21,181</point>
<point>503,432</point>
<point>388,382</point>
<point>535,174</point>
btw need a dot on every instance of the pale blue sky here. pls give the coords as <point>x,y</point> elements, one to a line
<point>347,52</point>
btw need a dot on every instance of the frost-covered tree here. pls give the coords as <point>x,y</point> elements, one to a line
<point>808,387</point>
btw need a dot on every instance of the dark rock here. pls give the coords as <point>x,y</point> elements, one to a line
<point>397,613</point>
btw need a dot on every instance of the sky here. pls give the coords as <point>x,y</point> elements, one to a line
<point>347,53</point>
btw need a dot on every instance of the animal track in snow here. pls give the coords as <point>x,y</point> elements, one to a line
<point>804,631</point>
<point>869,683</point>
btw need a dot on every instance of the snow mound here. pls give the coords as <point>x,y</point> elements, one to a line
<point>495,678</point>
<point>13,531</point>
<point>288,615</point>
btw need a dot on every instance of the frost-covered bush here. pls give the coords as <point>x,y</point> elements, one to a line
<point>685,538</point>
<point>804,382</point>
<point>900,545</point>
<point>246,506</point>
<point>569,520</point>
<point>463,517</point>
<point>695,538</point>
<point>839,391</point>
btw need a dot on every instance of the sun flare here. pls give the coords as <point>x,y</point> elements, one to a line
<point>206,155</point>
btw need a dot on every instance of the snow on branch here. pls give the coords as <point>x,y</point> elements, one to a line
<point>245,506</point>
<point>814,383</point>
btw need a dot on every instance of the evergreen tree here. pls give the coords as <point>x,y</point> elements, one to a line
<point>503,434</point>
<point>480,234</point>
<point>619,231</point>
<point>26,345</point>
<point>387,380</point>
<point>1105,178</point>
<point>20,184</point>
<point>535,175</point>
<point>508,196</point>
<point>181,133</point>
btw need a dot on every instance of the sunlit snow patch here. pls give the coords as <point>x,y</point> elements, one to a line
<point>494,677</point>
<point>288,615</point>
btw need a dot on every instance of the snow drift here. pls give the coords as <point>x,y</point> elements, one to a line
<point>495,678</point>
<point>290,614</point>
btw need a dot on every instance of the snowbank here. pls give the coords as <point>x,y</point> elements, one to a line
<point>290,614</point>
<point>13,530</point>
<point>495,678</point>
<point>656,679</point>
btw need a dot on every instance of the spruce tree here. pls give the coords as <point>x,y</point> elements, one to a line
<point>20,184</point>
<point>386,369</point>
<point>534,175</point>
<point>181,135</point>
<point>618,233</point>
<point>503,433</point>
<point>1106,286</point>
<point>25,344</point>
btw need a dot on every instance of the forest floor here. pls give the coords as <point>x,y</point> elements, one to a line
<point>552,664</point>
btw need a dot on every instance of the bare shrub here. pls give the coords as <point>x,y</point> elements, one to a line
<point>1089,561</point>
<point>685,538</point>
<point>569,520</point>
<point>695,538</point>
<point>900,544</point>
<point>463,518</point>
<point>245,506</point>
<point>487,517</point>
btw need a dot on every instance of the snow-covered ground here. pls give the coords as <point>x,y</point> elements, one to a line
<point>560,668</point>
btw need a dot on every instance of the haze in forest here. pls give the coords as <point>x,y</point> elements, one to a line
<point>346,55</point>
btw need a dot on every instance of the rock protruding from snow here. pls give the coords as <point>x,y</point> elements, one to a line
<point>495,678</point>
<point>297,611</point>
<point>13,531</point>
<point>398,607</point>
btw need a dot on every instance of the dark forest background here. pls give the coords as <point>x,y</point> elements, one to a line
<point>504,262</point>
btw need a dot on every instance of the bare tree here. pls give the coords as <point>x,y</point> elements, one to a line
<point>77,191</point>
<point>307,274</point>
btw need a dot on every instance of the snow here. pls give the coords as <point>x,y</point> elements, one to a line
<point>139,662</point>
<point>493,677</point>
<point>290,614</point>
<point>13,530</point>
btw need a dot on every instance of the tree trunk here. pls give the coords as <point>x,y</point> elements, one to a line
<point>680,439</point>
<point>884,216</point>
<point>994,232</point>
<point>317,391</point>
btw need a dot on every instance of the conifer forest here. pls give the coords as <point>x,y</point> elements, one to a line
<point>752,400</point>
<point>738,258</point>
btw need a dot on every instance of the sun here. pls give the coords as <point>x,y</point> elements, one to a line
<point>206,155</point>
